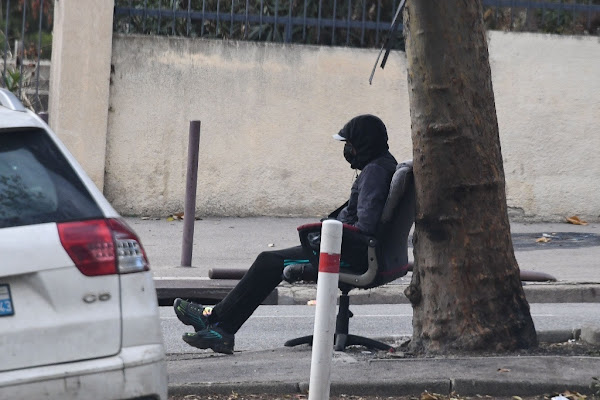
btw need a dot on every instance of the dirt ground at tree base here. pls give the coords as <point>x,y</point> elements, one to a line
<point>569,348</point>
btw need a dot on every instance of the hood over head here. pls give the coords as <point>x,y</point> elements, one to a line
<point>368,136</point>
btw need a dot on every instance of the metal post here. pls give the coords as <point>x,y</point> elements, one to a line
<point>333,22</point>
<point>589,16</point>
<point>6,40</point>
<point>261,19</point>
<point>275,21</point>
<point>39,52</point>
<point>22,51</point>
<point>348,21</point>
<point>189,212</point>
<point>319,23</point>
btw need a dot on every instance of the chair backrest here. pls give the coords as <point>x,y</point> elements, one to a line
<point>388,259</point>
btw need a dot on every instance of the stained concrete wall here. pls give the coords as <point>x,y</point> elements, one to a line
<point>268,112</point>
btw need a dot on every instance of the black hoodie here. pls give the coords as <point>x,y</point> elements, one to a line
<point>368,135</point>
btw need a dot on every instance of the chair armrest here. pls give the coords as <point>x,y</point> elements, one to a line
<point>348,231</point>
<point>316,226</point>
<point>312,227</point>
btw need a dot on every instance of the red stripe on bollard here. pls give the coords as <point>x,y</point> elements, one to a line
<point>329,263</point>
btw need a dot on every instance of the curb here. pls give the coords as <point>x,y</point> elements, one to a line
<point>464,387</point>
<point>394,294</point>
<point>211,291</point>
<point>337,388</point>
<point>471,387</point>
<point>559,336</point>
<point>237,387</point>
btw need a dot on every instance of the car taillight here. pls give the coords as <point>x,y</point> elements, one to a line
<point>102,247</point>
<point>131,256</point>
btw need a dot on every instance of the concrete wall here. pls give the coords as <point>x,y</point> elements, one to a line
<point>268,112</point>
<point>547,91</point>
<point>79,79</point>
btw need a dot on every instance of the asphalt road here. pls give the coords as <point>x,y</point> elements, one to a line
<point>271,326</point>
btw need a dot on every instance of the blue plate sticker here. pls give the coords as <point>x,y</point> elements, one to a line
<point>6,306</point>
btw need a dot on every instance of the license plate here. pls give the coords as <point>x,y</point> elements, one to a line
<point>6,305</point>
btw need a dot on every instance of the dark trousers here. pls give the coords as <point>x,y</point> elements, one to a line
<point>260,280</point>
<point>265,274</point>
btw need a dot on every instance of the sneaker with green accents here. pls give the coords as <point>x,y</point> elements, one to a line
<point>213,338</point>
<point>192,314</point>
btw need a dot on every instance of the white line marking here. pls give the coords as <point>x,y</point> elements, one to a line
<point>312,316</point>
<point>182,278</point>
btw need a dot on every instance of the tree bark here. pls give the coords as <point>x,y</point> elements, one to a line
<point>465,290</point>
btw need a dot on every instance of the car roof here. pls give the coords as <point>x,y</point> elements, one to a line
<point>18,119</point>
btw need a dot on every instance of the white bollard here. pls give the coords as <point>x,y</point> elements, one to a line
<point>327,286</point>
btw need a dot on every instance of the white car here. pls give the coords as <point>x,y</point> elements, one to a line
<point>78,309</point>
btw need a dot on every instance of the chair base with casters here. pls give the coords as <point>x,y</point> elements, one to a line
<point>342,339</point>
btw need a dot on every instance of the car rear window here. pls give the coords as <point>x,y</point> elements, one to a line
<point>37,183</point>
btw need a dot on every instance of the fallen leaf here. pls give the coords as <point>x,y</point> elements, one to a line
<point>503,370</point>
<point>233,396</point>
<point>575,220</point>
<point>431,396</point>
<point>595,385</point>
<point>543,240</point>
<point>311,303</point>
<point>574,395</point>
<point>177,216</point>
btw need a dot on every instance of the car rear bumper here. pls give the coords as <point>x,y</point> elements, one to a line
<point>135,372</point>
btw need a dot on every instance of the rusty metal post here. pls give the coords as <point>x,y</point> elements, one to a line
<point>189,212</point>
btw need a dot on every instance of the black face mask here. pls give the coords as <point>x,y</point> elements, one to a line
<point>348,153</point>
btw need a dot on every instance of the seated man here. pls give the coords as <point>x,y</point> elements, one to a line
<point>366,149</point>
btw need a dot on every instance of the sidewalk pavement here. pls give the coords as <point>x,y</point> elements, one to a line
<point>287,371</point>
<point>572,256</point>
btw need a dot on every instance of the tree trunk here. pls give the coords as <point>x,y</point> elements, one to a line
<point>466,291</point>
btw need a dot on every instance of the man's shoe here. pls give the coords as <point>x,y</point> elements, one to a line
<point>300,272</point>
<point>192,314</point>
<point>213,338</point>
